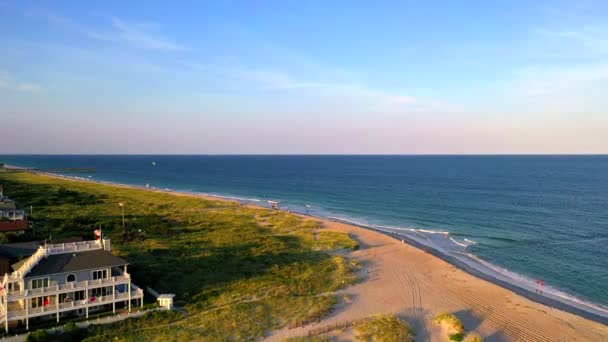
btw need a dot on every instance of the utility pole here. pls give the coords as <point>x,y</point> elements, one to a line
<point>122,207</point>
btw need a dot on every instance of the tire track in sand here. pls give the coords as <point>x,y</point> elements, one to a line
<point>507,321</point>
<point>418,304</point>
<point>412,296</point>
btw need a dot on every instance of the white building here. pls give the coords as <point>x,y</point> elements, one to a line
<point>12,215</point>
<point>66,279</point>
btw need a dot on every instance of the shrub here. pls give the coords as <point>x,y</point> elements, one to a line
<point>456,337</point>
<point>384,328</point>
<point>37,336</point>
<point>473,337</point>
<point>450,321</point>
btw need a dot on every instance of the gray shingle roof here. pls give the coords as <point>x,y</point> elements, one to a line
<point>19,250</point>
<point>71,262</point>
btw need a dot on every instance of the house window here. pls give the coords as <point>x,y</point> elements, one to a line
<point>71,278</point>
<point>16,287</point>
<point>99,274</point>
<point>41,301</point>
<point>38,283</point>
<point>79,295</point>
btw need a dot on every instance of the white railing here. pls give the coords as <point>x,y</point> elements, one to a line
<point>13,215</point>
<point>60,248</point>
<point>69,287</point>
<point>74,305</point>
<point>30,262</point>
<point>81,246</point>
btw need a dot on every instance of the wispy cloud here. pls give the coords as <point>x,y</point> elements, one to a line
<point>136,35</point>
<point>6,83</point>
<point>584,73</point>
<point>28,87</point>
<point>117,30</point>
<point>269,80</point>
<point>593,39</point>
<point>3,79</point>
<point>538,81</point>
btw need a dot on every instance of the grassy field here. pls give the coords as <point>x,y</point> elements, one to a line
<point>238,271</point>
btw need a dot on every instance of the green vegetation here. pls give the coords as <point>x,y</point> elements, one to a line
<point>332,240</point>
<point>457,337</point>
<point>308,339</point>
<point>453,324</point>
<point>473,337</point>
<point>238,271</point>
<point>70,332</point>
<point>384,328</point>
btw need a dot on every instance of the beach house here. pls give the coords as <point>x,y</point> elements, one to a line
<point>11,219</point>
<point>66,279</point>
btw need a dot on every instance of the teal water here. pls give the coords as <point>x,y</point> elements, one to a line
<point>529,217</point>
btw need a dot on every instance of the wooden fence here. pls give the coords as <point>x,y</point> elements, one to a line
<point>338,325</point>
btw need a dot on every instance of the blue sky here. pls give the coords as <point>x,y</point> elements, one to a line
<point>304,77</point>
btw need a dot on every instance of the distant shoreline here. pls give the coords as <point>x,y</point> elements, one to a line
<point>451,260</point>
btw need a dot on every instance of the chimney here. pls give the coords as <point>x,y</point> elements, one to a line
<point>106,244</point>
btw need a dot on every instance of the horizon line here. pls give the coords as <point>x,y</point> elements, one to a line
<point>305,154</point>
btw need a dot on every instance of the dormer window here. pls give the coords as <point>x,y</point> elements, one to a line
<point>99,274</point>
<point>71,278</point>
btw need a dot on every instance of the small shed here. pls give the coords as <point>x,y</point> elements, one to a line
<point>165,300</point>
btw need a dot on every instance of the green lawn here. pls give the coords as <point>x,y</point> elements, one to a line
<point>238,271</point>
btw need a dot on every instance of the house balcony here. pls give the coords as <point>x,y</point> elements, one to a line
<point>13,215</point>
<point>54,288</point>
<point>136,293</point>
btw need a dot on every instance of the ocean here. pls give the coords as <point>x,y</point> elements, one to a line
<point>522,218</point>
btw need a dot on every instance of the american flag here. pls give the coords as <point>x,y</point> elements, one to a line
<point>120,204</point>
<point>97,233</point>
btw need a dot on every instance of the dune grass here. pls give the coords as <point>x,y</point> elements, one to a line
<point>473,337</point>
<point>308,339</point>
<point>237,270</point>
<point>455,328</point>
<point>452,324</point>
<point>384,328</point>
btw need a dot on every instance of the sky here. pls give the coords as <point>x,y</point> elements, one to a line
<point>304,77</point>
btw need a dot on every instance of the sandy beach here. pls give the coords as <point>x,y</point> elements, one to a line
<point>416,285</point>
